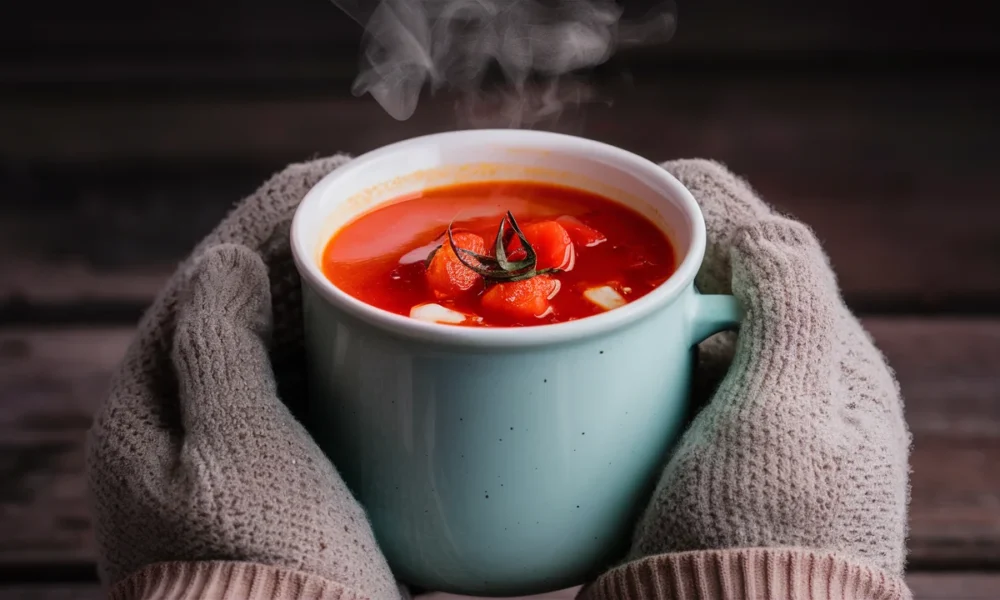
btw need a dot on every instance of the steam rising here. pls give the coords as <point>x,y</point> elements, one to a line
<point>453,44</point>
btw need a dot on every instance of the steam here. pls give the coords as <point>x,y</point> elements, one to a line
<point>535,45</point>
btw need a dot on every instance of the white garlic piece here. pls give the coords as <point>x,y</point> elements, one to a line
<point>605,297</point>
<point>435,313</point>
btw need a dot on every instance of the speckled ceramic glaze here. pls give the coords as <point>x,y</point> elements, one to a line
<point>502,461</point>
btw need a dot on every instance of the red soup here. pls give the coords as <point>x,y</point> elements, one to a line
<point>499,254</point>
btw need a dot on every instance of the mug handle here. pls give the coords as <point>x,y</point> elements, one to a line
<point>714,313</point>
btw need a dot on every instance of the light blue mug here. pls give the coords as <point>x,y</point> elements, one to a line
<point>507,461</point>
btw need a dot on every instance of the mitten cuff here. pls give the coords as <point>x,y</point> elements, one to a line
<point>213,580</point>
<point>745,574</point>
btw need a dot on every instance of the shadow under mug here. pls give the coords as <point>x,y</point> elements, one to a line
<point>502,461</point>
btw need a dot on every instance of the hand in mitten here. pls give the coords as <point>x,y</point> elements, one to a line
<point>196,465</point>
<point>794,476</point>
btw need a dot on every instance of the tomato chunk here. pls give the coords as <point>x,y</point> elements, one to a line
<point>552,245</point>
<point>522,300</point>
<point>587,237</point>
<point>447,277</point>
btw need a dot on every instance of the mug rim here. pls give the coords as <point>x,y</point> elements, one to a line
<point>502,337</point>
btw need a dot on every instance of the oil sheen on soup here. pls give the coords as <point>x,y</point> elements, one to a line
<point>499,254</point>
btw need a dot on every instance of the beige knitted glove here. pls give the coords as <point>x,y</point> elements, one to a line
<point>795,473</point>
<point>194,456</point>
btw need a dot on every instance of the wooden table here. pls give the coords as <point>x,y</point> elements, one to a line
<point>122,142</point>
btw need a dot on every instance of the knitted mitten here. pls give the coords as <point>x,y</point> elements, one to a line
<point>792,481</point>
<point>195,455</point>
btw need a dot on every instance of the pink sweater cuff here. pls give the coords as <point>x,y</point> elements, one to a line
<point>213,580</point>
<point>743,574</point>
<point>747,574</point>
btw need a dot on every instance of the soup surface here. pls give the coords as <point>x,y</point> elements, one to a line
<point>434,255</point>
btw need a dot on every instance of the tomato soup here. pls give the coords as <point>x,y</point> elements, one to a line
<point>499,254</point>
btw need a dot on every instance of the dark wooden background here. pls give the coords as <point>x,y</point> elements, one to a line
<point>127,131</point>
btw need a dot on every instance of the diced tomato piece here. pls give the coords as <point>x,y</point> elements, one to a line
<point>552,245</point>
<point>587,237</point>
<point>446,275</point>
<point>516,251</point>
<point>522,300</point>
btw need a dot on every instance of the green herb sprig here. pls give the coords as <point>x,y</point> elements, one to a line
<point>499,268</point>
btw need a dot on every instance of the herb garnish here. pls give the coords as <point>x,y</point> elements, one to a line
<point>500,268</point>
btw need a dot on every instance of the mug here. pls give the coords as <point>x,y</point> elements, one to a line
<point>502,461</point>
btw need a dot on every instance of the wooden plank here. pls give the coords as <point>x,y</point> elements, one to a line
<point>109,240</point>
<point>299,39</point>
<point>951,387</point>
<point>52,380</point>
<point>726,25</point>
<point>48,591</point>
<point>870,163</point>
<point>801,122</point>
<point>42,499</point>
<point>954,586</point>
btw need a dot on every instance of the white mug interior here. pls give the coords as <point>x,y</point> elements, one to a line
<point>497,155</point>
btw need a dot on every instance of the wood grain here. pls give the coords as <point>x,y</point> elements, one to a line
<point>255,40</point>
<point>896,174</point>
<point>953,586</point>
<point>42,494</point>
<point>116,244</point>
<point>802,122</point>
<point>52,380</point>
<point>45,591</point>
